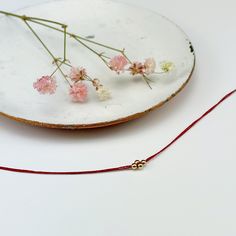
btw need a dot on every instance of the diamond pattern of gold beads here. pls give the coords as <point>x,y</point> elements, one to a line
<point>138,165</point>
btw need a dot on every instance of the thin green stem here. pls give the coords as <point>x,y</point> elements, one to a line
<point>41,21</point>
<point>45,20</point>
<point>99,44</point>
<point>92,50</point>
<point>123,53</point>
<point>37,21</point>
<point>36,35</point>
<point>57,68</point>
<point>65,37</point>
<point>78,38</point>
<point>89,78</point>
<point>24,17</point>
<point>64,63</point>
<point>46,48</point>
<point>102,55</point>
<point>49,26</point>
<point>11,14</point>
<point>146,80</point>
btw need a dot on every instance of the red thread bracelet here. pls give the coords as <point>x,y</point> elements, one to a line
<point>135,166</point>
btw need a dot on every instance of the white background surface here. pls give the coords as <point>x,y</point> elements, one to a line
<point>189,190</point>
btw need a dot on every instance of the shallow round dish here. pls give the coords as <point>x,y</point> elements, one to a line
<point>141,32</point>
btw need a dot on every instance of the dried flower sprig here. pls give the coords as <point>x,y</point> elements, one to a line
<point>78,75</point>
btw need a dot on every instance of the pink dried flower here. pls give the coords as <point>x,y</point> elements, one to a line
<point>79,92</point>
<point>118,63</point>
<point>77,74</point>
<point>45,85</point>
<point>137,68</point>
<point>150,66</point>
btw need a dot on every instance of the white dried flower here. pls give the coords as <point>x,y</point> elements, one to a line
<point>167,66</point>
<point>169,70</point>
<point>103,93</point>
<point>150,66</point>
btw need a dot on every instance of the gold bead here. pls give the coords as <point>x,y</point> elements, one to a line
<point>134,166</point>
<point>140,166</point>
<point>143,162</point>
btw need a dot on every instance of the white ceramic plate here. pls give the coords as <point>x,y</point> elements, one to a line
<point>142,32</point>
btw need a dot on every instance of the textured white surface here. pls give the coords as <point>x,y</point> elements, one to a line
<point>190,190</point>
<point>147,34</point>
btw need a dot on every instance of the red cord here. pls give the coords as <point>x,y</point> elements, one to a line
<point>120,168</point>
<point>65,172</point>
<point>191,125</point>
